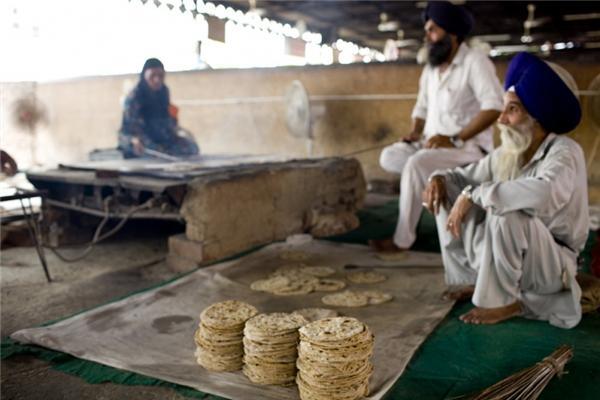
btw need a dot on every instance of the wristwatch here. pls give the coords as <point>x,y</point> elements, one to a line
<point>457,141</point>
<point>468,192</point>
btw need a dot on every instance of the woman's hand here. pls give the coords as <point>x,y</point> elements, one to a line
<point>138,146</point>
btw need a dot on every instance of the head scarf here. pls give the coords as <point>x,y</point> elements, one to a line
<point>452,18</point>
<point>154,104</point>
<point>545,96</point>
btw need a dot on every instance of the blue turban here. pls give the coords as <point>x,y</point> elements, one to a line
<point>452,18</point>
<point>545,96</point>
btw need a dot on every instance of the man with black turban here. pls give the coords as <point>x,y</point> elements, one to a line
<point>147,121</point>
<point>511,226</point>
<point>459,98</point>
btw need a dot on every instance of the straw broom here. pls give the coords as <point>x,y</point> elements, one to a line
<point>529,383</point>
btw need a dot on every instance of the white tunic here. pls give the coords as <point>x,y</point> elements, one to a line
<point>522,241</point>
<point>447,102</point>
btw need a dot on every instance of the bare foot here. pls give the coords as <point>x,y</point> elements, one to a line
<point>480,315</point>
<point>384,245</point>
<point>459,293</point>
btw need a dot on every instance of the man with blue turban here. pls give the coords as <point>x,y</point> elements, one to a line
<point>511,226</point>
<point>459,99</point>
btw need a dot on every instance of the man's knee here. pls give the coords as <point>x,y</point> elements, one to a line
<point>420,161</point>
<point>511,224</point>
<point>393,158</point>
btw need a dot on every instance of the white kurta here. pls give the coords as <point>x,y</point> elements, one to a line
<point>447,102</point>
<point>521,240</point>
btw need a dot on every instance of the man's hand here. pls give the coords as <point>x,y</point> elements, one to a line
<point>457,215</point>
<point>438,142</point>
<point>138,146</point>
<point>9,165</point>
<point>411,137</point>
<point>435,194</point>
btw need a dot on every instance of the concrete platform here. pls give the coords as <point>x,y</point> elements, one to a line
<point>227,207</point>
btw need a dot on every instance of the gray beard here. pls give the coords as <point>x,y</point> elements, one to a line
<point>515,141</point>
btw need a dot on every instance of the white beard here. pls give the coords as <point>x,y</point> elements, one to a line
<point>515,141</point>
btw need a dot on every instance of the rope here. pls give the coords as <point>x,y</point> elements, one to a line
<point>97,238</point>
<point>553,364</point>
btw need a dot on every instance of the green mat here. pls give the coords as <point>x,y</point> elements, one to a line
<point>456,359</point>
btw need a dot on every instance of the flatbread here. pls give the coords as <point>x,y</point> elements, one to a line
<point>275,323</point>
<point>270,348</point>
<point>334,359</point>
<point>329,285</point>
<point>287,281</point>
<point>366,277</point>
<point>346,298</point>
<point>332,329</point>
<point>318,271</point>
<point>377,296</point>
<point>227,314</point>
<point>315,314</point>
<point>270,284</point>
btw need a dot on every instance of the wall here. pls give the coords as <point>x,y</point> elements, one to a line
<point>85,113</point>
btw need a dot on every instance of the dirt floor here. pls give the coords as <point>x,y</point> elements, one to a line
<point>131,261</point>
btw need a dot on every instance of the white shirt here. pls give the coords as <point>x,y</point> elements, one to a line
<point>552,187</point>
<point>449,101</point>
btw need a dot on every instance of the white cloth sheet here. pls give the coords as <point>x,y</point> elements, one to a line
<point>152,333</point>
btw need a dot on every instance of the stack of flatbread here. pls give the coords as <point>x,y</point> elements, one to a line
<point>293,280</point>
<point>219,336</point>
<point>270,348</point>
<point>334,359</point>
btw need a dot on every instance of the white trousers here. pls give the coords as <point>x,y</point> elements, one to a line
<point>414,165</point>
<point>512,257</point>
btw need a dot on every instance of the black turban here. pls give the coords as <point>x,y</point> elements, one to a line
<point>452,18</point>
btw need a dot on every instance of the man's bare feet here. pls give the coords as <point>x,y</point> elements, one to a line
<point>480,315</point>
<point>459,293</point>
<point>384,245</point>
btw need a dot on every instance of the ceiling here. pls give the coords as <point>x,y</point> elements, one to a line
<point>552,22</point>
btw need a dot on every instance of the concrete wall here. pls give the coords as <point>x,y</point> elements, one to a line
<point>85,113</point>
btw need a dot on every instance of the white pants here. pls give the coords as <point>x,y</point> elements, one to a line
<point>414,165</point>
<point>512,257</point>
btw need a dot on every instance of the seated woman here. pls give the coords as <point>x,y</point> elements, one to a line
<point>147,123</point>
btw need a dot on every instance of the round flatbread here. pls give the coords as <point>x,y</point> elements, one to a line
<point>274,323</point>
<point>227,314</point>
<point>318,271</point>
<point>366,277</point>
<point>315,314</point>
<point>346,298</point>
<point>329,285</point>
<point>332,329</point>
<point>270,284</point>
<point>377,296</point>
